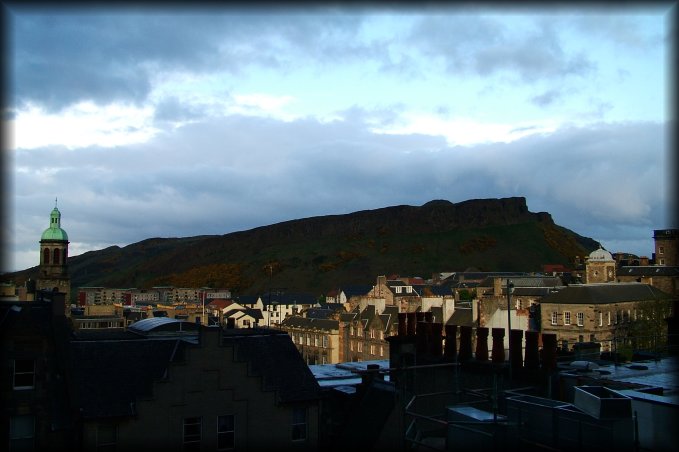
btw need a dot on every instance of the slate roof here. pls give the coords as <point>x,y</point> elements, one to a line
<point>606,293</point>
<point>289,298</point>
<point>325,311</point>
<point>389,317</point>
<point>525,281</point>
<point>648,270</point>
<point>273,356</point>
<point>357,290</point>
<point>108,376</point>
<point>441,290</point>
<point>246,299</point>
<point>295,321</point>
<point>462,316</point>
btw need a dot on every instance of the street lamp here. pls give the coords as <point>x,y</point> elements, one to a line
<point>510,289</point>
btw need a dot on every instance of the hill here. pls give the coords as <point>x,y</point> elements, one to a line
<point>321,253</point>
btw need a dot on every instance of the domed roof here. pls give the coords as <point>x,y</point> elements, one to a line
<point>600,255</point>
<point>54,232</point>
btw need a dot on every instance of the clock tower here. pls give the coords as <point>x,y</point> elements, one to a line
<point>53,257</point>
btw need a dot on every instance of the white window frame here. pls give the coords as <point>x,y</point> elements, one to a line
<point>580,316</point>
<point>104,442</point>
<point>299,424</point>
<point>567,317</point>
<point>223,432</point>
<point>22,432</point>
<point>601,319</point>
<point>359,347</point>
<point>555,318</point>
<point>325,341</point>
<point>24,374</point>
<point>192,440</point>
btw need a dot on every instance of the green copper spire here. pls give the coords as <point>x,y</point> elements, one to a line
<point>54,232</point>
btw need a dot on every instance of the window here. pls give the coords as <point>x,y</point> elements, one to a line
<point>609,317</point>
<point>351,330</point>
<point>661,250</point>
<point>299,424</point>
<point>325,341</point>
<point>567,317</point>
<point>324,359</point>
<point>315,340</point>
<point>359,346</point>
<point>380,335</point>
<point>192,432</point>
<point>107,437</point>
<point>555,318</point>
<point>601,319</point>
<point>226,436</point>
<point>21,432</point>
<point>372,349</point>
<point>301,338</point>
<point>351,345</point>
<point>372,333</point>
<point>24,373</point>
<point>381,350</point>
<point>308,339</point>
<point>581,319</point>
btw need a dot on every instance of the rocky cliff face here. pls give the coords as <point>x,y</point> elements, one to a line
<point>434,216</point>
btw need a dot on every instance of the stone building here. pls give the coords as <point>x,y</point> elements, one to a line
<point>179,386</point>
<point>599,312</point>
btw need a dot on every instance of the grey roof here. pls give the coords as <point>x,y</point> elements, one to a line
<point>295,321</point>
<point>389,317</point>
<point>358,290</point>
<point>524,281</point>
<point>157,324</point>
<point>463,315</point>
<point>246,299</point>
<point>273,356</point>
<point>323,312</point>
<point>606,293</point>
<point>441,290</point>
<point>109,376</point>
<point>289,298</point>
<point>648,270</point>
<point>530,291</point>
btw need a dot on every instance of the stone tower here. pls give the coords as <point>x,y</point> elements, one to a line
<point>53,257</point>
<point>599,267</point>
<point>666,247</point>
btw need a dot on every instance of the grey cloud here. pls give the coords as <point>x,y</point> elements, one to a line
<point>486,46</point>
<point>546,98</point>
<point>61,57</point>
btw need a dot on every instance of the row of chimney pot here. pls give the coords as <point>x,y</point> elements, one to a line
<point>429,342</point>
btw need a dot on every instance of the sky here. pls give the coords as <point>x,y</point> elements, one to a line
<point>174,122</point>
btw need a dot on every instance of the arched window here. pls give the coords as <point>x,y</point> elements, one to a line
<point>56,258</point>
<point>46,256</point>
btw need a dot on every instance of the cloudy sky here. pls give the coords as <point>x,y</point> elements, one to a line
<point>180,122</point>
